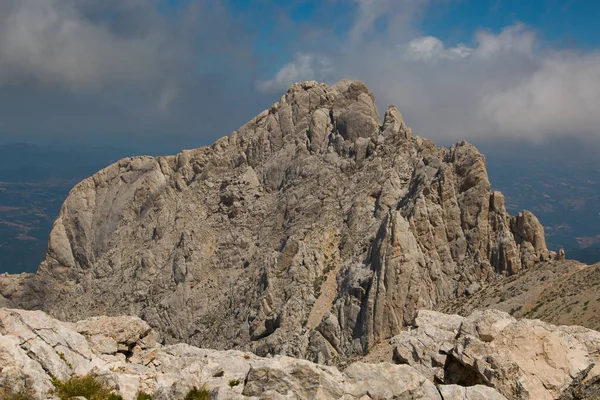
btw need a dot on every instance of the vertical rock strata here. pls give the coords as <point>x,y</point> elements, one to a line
<point>313,231</point>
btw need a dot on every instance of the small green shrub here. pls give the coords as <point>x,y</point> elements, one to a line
<point>143,396</point>
<point>87,386</point>
<point>234,382</point>
<point>198,394</point>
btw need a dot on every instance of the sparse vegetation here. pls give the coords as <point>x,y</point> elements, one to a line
<point>234,382</point>
<point>9,394</point>
<point>246,357</point>
<point>514,310</point>
<point>62,357</point>
<point>318,283</point>
<point>88,386</point>
<point>537,307</point>
<point>330,266</point>
<point>198,394</point>
<point>143,396</point>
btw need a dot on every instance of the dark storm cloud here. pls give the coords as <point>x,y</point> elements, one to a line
<point>84,67</point>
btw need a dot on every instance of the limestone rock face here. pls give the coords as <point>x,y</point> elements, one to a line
<point>34,348</point>
<point>312,231</point>
<point>526,359</point>
<point>425,345</point>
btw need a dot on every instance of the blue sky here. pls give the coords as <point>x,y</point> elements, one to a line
<point>568,23</point>
<point>188,71</point>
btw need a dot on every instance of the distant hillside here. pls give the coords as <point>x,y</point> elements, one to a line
<point>564,293</point>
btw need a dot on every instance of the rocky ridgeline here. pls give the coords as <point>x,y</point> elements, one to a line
<point>488,355</point>
<point>313,231</point>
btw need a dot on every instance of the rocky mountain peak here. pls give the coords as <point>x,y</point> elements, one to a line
<point>393,123</point>
<point>312,231</point>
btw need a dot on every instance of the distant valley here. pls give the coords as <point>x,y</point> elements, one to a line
<point>560,185</point>
<point>34,182</point>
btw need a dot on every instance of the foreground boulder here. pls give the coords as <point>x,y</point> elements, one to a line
<point>35,348</point>
<point>314,231</point>
<point>488,355</point>
<point>526,359</point>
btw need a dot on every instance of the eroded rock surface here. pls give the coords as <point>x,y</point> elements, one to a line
<point>526,359</point>
<point>35,347</point>
<point>312,231</point>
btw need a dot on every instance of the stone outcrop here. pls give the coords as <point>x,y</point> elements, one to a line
<point>312,231</point>
<point>35,348</point>
<point>526,359</point>
<point>488,355</point>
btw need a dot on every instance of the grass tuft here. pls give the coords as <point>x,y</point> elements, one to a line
<point>234,382</point>
<point>198,394</point>
<point>87,386</point>
<point>143,396</point>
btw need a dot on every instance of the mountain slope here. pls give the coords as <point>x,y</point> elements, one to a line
<point>312,231</point>
<point>563,293</point>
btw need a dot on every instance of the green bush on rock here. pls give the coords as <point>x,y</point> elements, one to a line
<point>198,394</point>
<point>143,396</point>
<point>87,386</point>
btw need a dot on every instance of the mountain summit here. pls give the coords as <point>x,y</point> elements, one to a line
<point>313,231</point>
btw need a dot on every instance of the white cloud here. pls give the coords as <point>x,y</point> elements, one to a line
<point>515,39</point>
<point>560,97</point>
<point>507,84</point>
<point>303,67</point>
<point>429,48</point>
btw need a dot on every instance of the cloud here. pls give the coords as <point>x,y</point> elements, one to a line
<point>90,68</point>
<point>429,48</point>
<point>560,97</point>
<point>87,46</point>
<point>54,42</point>
<point>303,67</point>
<point>513,39</point>
<point>506,84</point>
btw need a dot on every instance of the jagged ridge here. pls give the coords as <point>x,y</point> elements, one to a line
<point>312,231</point>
